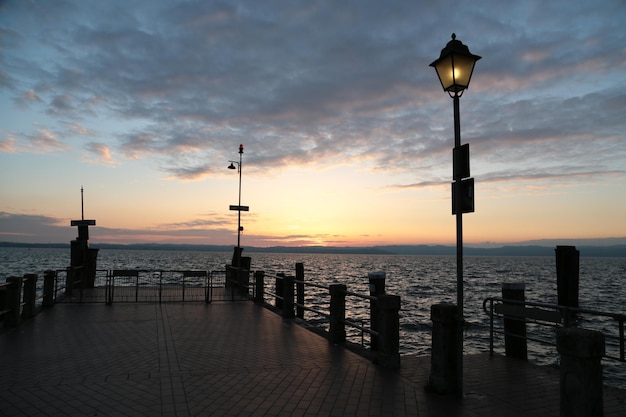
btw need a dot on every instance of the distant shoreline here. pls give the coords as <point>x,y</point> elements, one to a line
<point>508,250</point>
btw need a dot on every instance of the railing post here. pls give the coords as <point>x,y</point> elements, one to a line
<point>13,302</point>
<point>389,331</point>
<point>337,333</point>
<point>259,278</point>
<point>300,290</point>
<point>278,303</point>
<point>69,281</point>
<point>288,311</point>
<point>443,370</point>
<point>515,345</point>
<point>377,287</point>
<point>48,288</point>
<point>580,372</point>
<point>30,294</point>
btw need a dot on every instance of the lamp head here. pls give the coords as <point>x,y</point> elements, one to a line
<point>455,66</point>
<point>232,166</point>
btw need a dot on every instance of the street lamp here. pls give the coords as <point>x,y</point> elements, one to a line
<point>239,208</point>
<point>454,69</point>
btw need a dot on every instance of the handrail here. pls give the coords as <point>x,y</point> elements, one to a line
<point>553,315</point>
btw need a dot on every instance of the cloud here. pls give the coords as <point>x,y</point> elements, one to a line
<point>326,83</point>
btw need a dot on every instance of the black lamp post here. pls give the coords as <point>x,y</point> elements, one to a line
<point>454,69</point>
<point>238,207</point>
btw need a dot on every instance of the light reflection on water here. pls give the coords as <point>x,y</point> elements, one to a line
<point>420,281</point>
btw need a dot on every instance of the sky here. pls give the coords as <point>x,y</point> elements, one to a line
<point>346,130</point>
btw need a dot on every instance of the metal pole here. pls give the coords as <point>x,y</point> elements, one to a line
<point>239,211</point>
<point>459,251</point>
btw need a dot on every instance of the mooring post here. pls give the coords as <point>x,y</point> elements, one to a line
<point>278,302</point>
<point>581,354</point>
<point>389,331</point>
<point>288,296</point>
<point>377,288</point>
<point>48,288</point>
<point>300,290</point>
<point>13,302</point>
<point>259,294</point>
<point>337,331</point>
<point>515,345</point>
<point>567,275</point>
<point>30,295</point>
<point>443,370</point>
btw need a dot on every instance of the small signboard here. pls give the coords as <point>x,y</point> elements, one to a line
<point>467,196</point>
<point>240,208</point>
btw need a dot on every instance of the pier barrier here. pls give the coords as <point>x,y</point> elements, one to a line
<point>377,288</point>
<point>581,352</point>
<point>337,333</point>
<point>444,364</point>
<point>567,275</point>
<point>515,345</point>
<point>49,276</point>
<point>30,295</point>
<point>12,302</point>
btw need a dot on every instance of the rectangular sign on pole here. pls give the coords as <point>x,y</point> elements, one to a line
<point>467,196</point>
<point>240,208</point>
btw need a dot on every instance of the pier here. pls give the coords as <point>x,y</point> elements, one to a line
<point>235,359</point>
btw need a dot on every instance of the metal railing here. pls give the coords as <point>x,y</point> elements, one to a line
<point>549,317</point>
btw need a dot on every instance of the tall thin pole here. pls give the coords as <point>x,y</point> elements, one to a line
<point>82,207</point>
<point>459,249</point>
<point>239,211</point>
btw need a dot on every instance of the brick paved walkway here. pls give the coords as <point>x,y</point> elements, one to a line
<point>236,359</point>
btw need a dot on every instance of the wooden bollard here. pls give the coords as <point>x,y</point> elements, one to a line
<point>337,332</point>
<point>278,302</point>
<point>377,287</point>
<point>389,331</point>
<point>515,345</point>
<point>259,279</point>
<point>300,290</point>
<point>30,295</point>
<point>444,363</point>
<point>13,302</point>
<point>48,288</point>
<point>580,372</point>
<point>567,275</point>
<point>288,295</point>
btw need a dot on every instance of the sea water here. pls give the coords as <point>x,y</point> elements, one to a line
<point>420,281</point>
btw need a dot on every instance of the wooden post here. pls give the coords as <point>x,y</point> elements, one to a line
<point>300,290</point>
<point>580,372</point>
<point>377,287</point>
<point>30,294</point>
<point>279,290</point>
<point>337,331</point>
<point>567,275</point>
<point>13,302</point>
<point>443,371</point>
<point>515,345</point>
<point>389,331</point>
<point>48,288</point>
<point>259,278</point>
<point>288,311</point>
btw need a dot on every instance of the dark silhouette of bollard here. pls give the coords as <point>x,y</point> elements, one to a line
<point>567,275</point>
<point>581,372</point>
<point>278,302</point>
<point>443,371</point>
<point>377,287</point>
<point>337,331</point>
<point>30,295</point>
<point>389,331</point>
<point>48,288</point>
<point>288,296</point>
<point>13,302</point>
<point>300,290</point>
<point>515,345</point>
<point>259,295</point>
